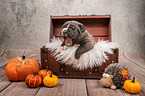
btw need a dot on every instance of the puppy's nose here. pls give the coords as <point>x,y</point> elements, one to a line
<point>64,32</point>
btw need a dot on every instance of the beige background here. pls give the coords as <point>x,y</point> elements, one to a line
<point>25,23</point>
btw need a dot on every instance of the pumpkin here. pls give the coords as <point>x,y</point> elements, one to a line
<point>50,80</point>
<point>132,86</point>
<point>33,80</point>
<point>18,69</point>
<point>44,72</point>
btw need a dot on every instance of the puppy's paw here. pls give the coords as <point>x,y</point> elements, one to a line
<point>113,87</point>
<point>64,47</point>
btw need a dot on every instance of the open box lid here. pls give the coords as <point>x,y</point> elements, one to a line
<point>99,26</point>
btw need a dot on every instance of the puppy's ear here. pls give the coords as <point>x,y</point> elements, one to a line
<point>82,28</point>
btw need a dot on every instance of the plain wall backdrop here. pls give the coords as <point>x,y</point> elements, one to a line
<point>25,23</point>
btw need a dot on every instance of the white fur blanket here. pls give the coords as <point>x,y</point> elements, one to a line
<point>95,56</point>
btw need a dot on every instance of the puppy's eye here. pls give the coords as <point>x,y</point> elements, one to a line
<point>64,32</point>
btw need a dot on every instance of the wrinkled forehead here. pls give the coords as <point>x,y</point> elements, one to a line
<point>67,25</point>
<point>70,23</point>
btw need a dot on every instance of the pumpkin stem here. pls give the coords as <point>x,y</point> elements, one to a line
<point>47,68</point>
<point>21,60</point>
<point>133,80</point>
<point>23,57</point>
<point>51,74</point>
<point>35,73</point>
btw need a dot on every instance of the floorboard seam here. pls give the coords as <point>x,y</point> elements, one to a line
<point>3,65</point>
<point>86,87</point>
<point>6,87</point>
<point>140,94</point>
<point>24,53</point>
<point>2,53</point>
<point>37,91</point>
<point>132,70</point>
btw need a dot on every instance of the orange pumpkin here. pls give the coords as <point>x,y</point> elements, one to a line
<point>19,68</point>
<point>44,72</point>
<point>50,80</point>
<point>33,80</point>
<point>132,86</point>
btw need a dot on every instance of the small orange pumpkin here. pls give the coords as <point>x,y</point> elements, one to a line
<point>132,86</point>
<point>50,80</point>
<point>19,68</point>
<point>44,72</point>
<point>33,80</point>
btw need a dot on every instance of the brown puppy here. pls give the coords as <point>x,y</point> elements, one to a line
<point>76,33</point>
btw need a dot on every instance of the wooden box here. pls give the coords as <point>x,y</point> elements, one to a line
<point>98,26</point>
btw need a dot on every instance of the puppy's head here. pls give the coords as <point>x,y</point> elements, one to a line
<point>72,29</point>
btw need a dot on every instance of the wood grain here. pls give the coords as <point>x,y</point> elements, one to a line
<point>65,87</point>
<point>136,57</point>
<point>136,71</point>
<point>19,89</point>
<point>10,54</point>
<point>4,82</point>
<point>96,89</point>
<point>94,31</point>
<point>74,17</point>
<point>71,87</point>
<point>2,52</point>
<point>31,53</point>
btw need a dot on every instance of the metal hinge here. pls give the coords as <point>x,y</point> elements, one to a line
<point>96,69</point>
<point>62,67</point>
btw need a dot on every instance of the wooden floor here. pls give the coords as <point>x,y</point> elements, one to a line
<point>135,62</point>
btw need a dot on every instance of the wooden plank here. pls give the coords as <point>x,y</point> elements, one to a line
<point>136,71</point>
<point>4,82</point>
<point>19,89</point>
<point>10,54</point>
<point>65,87</point>
<point>94,31</point>
<point>101,38</point>
<point>76,17</point>
<point>93,23</point>
<point>32,53</point>
<point>2,52</point>
<point>7,86</point>
<point>96,89</point>
<point>142,92</point>
<point>136,57</point>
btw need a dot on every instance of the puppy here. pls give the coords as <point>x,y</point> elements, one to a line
<point>73,33</point>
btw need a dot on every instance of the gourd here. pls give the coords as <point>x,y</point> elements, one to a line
<point>42,73</point>
<point>33,80</point>
<point>132,86</point>
<point>18,69</point>
<point>50,80</point>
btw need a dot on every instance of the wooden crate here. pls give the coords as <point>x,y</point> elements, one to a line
<point>98,26</point>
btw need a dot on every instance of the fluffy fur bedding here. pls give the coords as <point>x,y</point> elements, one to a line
<point>94,57</point>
